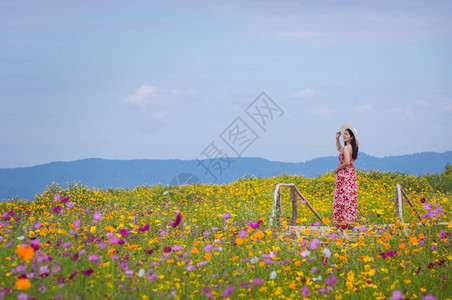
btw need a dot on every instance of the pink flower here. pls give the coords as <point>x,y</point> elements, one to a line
<point>305,291</point>
<point>102,245</point>
<point>190,267</point>
<point>225,215</point>
<point>67,245</point>
<point>177,248</point>
<point>228,291</point>
<point>93,257</point>
<point>331,280</point>
<point>97,215</point>
<point>70,204</point>
<point>65,199</point>
<point>56,197</point>
<point>77,223</point>
<point>315,243</point>
<point>38,225</point>
<point>257,281</point>
<point>114,240</point>
<point>242,233</point>
<point>428,297</point>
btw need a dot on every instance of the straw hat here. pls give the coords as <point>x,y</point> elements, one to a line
<point>353,129</point>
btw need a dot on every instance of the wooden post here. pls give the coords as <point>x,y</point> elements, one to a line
<point>310,207</point>
<point>294,199</point>
<point>412,206</point>
<point>399,203</point>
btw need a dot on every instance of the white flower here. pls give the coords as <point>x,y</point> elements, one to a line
<point>254,260</point>
<point>20,237</point>
<point>273,275</point>
<point>317,278</point>
<point>141,273</point>
<point>305,253</point>
<point>327,252</point>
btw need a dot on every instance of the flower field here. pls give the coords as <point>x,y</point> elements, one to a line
<point>214,241</point>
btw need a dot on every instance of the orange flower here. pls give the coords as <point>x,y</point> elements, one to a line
<point>194,250</point>
<point>22,284</point>
<point>402,246</point>
<point>239,241</point>
<point>25,252</point>
<point>208,255</point>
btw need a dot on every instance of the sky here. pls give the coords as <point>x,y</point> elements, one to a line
<point>201,79</point>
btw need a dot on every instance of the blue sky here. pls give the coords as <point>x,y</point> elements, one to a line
<point>164,79</point>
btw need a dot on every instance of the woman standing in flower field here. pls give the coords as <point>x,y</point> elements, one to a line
<point>345,205</point>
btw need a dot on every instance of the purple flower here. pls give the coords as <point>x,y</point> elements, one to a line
<point>22,296</point>
<point>97,215</point>
<point>242,233</point>
<point>123,232</point>
<point>202,263</point>
<point>167,249</point>
<point>57,209</point>
<point>70,204</point>
<point>225,215</point>
<point>206,234</point>
<point>144,228</point>
<point>38,225</point>
<point>327,252</point>
<point>102,245</point>
<point>42,288</point>
<point>331,280</point>
<point>114,240</point>
<point>88,272</point>
<point>150,251</point>
<point>428,297</point>
<point>56,197</point>
<point>93,257</point>
<point>255,225</point>
<point>177,221</point>
<point>77,223</point>
<point>257,281</point>
<point>178,248</point>
<point>305,291</point>
<point>245,285</point>
<point>315,243</point>
<point>228,291</point>
<point>67,245</point>
<point>65,199</point>
<point>190,267</point>
<point>397,295</point>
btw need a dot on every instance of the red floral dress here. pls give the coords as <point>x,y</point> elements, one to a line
<point>345,205</point>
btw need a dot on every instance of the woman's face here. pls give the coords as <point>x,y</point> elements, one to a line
<point>347,137</point>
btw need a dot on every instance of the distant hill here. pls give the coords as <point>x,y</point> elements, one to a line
<point>25,183</point>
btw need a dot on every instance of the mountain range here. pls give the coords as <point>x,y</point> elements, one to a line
<point>26,182</point>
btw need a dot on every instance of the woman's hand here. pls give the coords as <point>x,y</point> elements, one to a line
<point>338,134</point>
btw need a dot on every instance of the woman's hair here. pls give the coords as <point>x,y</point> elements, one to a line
<point>353,143</point>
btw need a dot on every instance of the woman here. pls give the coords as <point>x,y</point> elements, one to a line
<point>345,205</point>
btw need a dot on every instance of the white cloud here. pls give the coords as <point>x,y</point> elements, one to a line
<point>303,94</point>
<point>159,104</point>
<point>140,94</point>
